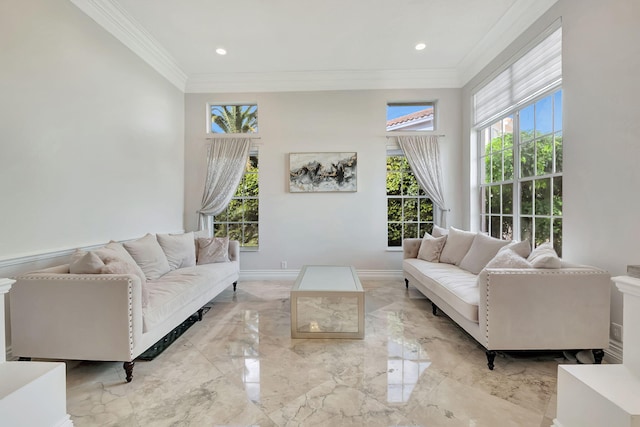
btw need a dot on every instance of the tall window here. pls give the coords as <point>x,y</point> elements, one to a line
<point>409,210</point>
<point>239,220</point>
<point>523,199</point>
<point>518,116</point>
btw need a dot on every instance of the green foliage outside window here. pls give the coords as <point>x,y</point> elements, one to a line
<point>239,220</point>
<point>409,210</point>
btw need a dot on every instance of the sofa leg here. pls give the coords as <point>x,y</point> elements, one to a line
<point>128,369</point>
<point>234,286</point>
<point>598,355</point>
<point>200,314</point>
<point>434,309</point>
<point>491,357</point>
<point>406,283</point>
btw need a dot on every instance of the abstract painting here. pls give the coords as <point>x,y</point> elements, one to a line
<point>321,172</point>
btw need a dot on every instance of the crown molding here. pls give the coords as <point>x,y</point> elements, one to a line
<point>520,16</point>
<point>289,81</point>
<point>117,21</point>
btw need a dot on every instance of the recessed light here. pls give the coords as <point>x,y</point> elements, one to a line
<point>221,51</point>
<point>420,46</point>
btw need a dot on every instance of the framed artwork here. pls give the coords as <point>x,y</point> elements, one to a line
<point>323,172</point>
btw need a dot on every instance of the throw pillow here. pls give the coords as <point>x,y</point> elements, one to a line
<point>482,250</point>
<point>438,231</point>
<point>213,249</point>
<point>180,249</point>
<point>122,267</point>
<point>521,248</point>
<point>508,258</point>
<point>544,256</point>
<point>149,256</point>
<point>85,263</point>
<point>457,245</point>
<point>431,247</point>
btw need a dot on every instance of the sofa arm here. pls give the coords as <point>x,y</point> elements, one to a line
<point>544,309</point>
<point>410,248</point>
<point>76,316</point>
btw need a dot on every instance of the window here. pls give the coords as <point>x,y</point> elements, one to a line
<point>409,210</point>
<point>523,199</point>
<point>410,116</point>
<point>233,118</point>
<point>239,220</point>
<point>518,117</point>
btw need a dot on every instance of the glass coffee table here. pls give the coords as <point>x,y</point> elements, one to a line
<point>327,301</point>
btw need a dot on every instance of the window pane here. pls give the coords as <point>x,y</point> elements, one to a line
<point>251,210</point>
<point>543,230</point>
<point>394,234</point>
<point>543,196</point>
<point>495,227</point>
<point>410,230</point>
<point>557,196</point>
<point>221,217</point>
<point>410,185</point>
<point>251,184</point>
<point>487,200</point>
<point>544,116</point>
<point>234,118</point>
<point>526,228</point>
<point>219,230</point>
<point>426,210</point>
<point>488,176</point>
<point>425,228</point>
<point>557,235</point>
<point>495,199</point>
<point>394,183</point>
<point>558,144</point>
<point>250,234</point>
<point>507,228</point>
<point>235,210</point>
<point>526,124</point>
<point>507,199</point>
<point>508,164</point>
<point>410,210</point>
<point>557,110</point>
<point>410,116</point>
<point>527,160</point>
<point>544,156</point>
<point>394,209</point>
<point>526,197</point>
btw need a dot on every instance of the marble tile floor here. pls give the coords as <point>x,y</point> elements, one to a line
<point>240,367</point>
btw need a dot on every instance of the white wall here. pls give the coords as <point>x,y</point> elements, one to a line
<point>322,228</point>
<point>92,138</point>
<point>601,86</point>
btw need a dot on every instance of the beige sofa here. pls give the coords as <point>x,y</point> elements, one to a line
<point>116,315</point>
<point>517,308</point>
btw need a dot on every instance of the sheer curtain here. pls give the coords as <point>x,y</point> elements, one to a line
<point>226,161</point>
<point>423,155</point>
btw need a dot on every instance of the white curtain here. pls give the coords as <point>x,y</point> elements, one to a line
<point>226,161</point>
<point>423,155</point>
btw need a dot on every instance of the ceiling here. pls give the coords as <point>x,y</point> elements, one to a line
<point>315,45</point>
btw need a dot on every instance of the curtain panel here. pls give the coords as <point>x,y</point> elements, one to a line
<point>226,161</point>
<point>423,155</point>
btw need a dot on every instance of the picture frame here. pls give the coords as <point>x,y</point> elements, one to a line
<point>316,172</point>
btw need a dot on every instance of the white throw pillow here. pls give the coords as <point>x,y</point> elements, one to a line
<point>180,249</point>
<point>482,250</point>
<point>431,247</point>
<point>521,248</point>
<point>438,231</point>
<point>85,263</point>
<point>149,256</point>
<point>508,258</point>
<point>121,267</point>
<point>115,252</point>
<point>544,256</point>
<point>213,249</point>
<point>457,245</point>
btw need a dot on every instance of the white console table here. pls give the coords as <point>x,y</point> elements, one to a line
<point>606,395</point>
<point>31,393</point>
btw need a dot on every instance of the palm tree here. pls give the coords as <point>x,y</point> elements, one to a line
<point>235,118</point>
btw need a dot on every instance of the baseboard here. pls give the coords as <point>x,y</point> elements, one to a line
<point>614,353</point>
<point>293,274</point>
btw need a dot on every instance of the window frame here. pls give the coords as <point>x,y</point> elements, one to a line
<point>421,225</point>
<point>517,178</point>
<point>243,198</point>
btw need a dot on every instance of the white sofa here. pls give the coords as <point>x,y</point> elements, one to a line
<point>56,314</point>
<point>520,308</point>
